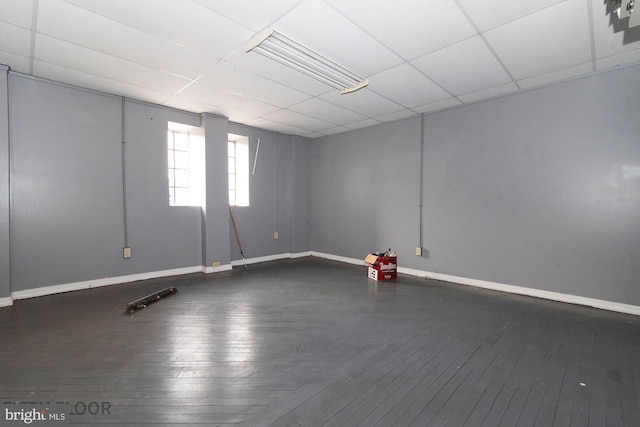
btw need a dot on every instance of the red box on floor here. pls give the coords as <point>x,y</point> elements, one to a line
<point>382,267</point>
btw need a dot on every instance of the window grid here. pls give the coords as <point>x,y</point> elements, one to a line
<point>232,172</point>
<point>178,146</point>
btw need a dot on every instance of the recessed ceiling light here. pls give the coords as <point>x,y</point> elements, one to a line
<point>288,52</point>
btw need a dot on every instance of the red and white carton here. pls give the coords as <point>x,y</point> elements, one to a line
<point>382,267</point>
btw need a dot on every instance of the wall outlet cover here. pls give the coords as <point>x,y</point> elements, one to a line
<point>275,235</point>
<point>215,264</point>
<point>418,251</point>
<point>126,252</point>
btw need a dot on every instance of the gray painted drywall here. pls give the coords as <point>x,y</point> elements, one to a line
<point>161,237</point>
<point>300,195</point>
<point>66,183</point>
<point>279,196</point>
<point>215,233</point>
<point>67,220</point>
<point>539,189</point>
<point>256,223</point>
<point>365,187</point>
<point>5,249</point>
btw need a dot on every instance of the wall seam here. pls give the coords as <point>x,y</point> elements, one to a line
<point>9,182</point>
<point>124,180</point>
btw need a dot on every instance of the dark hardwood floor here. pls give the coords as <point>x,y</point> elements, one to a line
<point>311,342</point>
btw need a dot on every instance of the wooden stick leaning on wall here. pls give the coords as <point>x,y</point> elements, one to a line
<point>235,229</point>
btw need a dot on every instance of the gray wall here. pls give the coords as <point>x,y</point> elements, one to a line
<point>539,189</point>
<point>299,195</point>
<point>5,253</point>
<point>279,196</point>
<point>68,217</point>
<point>216,210</point>
<point>67,207</point>
<point>161,237</point>
<point>66,180</point>
<point>365,191</point>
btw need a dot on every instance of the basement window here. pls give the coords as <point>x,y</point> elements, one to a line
<point>238,166</point>
<point>185,165</point>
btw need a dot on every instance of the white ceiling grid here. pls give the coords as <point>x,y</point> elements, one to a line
<point>420,56</point>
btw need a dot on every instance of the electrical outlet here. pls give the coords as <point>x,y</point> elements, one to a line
<point>126,252</point>
<point>275,235</point>
<point>418,250</point>
<point>215,264</point>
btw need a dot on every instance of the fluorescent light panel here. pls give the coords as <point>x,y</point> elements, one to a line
<point>281,48</point>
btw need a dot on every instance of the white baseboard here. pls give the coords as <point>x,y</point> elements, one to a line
<point>267,258</point>
<point>520,290</point>
<point>531,292</point>
<point>107,281</point>
<point>300,254</point>
<point>209,270</point>
<point>512,289</point>
<point>339,258</point>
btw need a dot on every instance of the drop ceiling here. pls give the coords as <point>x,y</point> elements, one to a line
<point>420,56</point>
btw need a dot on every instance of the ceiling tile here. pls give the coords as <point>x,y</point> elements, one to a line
<point>298,120</point>
<point>327,112</point>
<point>195,106</point>
<point>489,93</point>
<point>191,25</point>
<point>555,76</point>
<point>105,35</point>
<point>552,39</point>
<point>17,12</point>
<point>17,63</point>
<point>313,135</point>
<point>324,30</point>
<point>278,127</point>
<point>406,86</point>
<point>363,124</point>
<point>419,56</point>
<point>403,114</point>
<point>231,78</point>
<point>441,105</point>
<point>487,14</point>
<point>274,71</point>
<point>467,66</point>
<point>77,78</point>
<point>71,56</point>
<point>252,14</point>
<point>208,94</point>
<point>188,104</point>
<point>364,101</point>
<point>410,28</point>
<point>335,131</point>
<point>14,39</point>
<point>631,57</point>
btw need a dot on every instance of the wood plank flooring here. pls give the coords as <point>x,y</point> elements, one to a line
<point>311,342</point>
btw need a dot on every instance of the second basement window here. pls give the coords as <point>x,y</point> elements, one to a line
<point>238,166</point>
